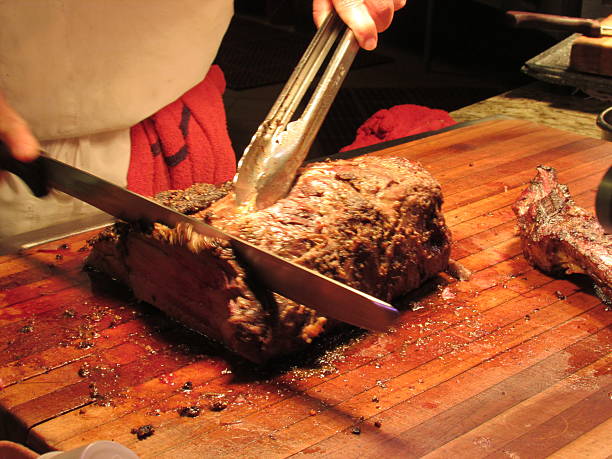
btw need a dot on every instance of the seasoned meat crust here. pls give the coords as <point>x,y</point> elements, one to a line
<point>194,198</point>
<point>559,237</point>
<point>374,223</point>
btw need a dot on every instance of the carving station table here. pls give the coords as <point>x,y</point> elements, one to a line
<point>511,363</point>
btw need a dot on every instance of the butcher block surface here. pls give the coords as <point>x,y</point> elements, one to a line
<point>511,363</point>
<point>593,55</point>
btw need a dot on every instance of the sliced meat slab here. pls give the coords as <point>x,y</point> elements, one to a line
<point>560,237</point>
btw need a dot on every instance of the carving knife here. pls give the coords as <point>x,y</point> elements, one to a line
<point>587,27</point>
<point>329,297</point>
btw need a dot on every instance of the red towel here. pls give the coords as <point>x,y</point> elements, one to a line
<point>397,122</point>
<point>184,143</point>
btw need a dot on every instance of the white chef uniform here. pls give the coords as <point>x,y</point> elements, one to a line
<point>82,72</point>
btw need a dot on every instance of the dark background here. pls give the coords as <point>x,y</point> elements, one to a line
<point>443,54</point>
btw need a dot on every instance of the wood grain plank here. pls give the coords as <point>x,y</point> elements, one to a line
<point>393,397</point>
<point>41,261</point>
<point>504,182</point>
<point>47,286</point>
<point>422,357</point>
<point>484,161</point>
<point>151,400</point>
<point>537,409</point>
<point>74,242</point>
<point>38,269</point>
<point>461,140</point>
<point>73,315</point>
<point>414,330</point>
<point>588,445</point>
<point>71,351</point>
<point>463,177</point>
<point>497,296</point>
<point>548,437</point>
<point>110,372</point>
<point>481,394</point>
<point>431,325</point>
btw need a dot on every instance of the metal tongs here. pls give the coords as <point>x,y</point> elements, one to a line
<point>269,164</point>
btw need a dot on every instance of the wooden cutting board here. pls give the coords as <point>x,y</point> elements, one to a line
<point>593,55</point>
<point>510,363</point>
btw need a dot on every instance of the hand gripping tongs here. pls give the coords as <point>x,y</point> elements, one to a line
<point>269,164</point>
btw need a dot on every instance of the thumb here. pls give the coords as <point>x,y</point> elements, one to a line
<point>16,134</point>
<point>21,142</point>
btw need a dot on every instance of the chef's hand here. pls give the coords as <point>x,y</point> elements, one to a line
<point>16,134</point>
<point>365,17</point>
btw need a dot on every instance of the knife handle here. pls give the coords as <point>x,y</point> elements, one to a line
<point>32,173</point>
<point>528,20</point>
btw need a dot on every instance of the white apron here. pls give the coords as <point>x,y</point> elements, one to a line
<point>82,72</point>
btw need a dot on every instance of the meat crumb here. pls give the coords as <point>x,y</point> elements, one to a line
<point>84,371</point>
<point>377,424</point>
<point>356,430</point>
<point>143,432</point>
<point>190,411</point>
<point>560,295</point>
<point>93,391</point>
<point>375,399</point>
<point>187,387</point>
<point>218,405</point>
<point>458,271</point>
<point>27,328</point>
<point>312,412</point>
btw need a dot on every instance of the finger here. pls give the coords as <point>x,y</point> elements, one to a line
<point>355,14</point>
<point>320,10</point>
<point>398,4</point>
<point>16,134</point>
<point>381,12</point>
<point>21,142</point>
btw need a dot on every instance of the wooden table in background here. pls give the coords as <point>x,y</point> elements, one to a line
<point>511,363</point>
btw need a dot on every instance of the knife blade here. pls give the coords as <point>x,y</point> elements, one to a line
<point>589,27</point>
<point>305,286</point>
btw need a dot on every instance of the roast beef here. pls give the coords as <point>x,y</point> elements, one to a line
<point>560,237</point>
<point>373,223</point>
